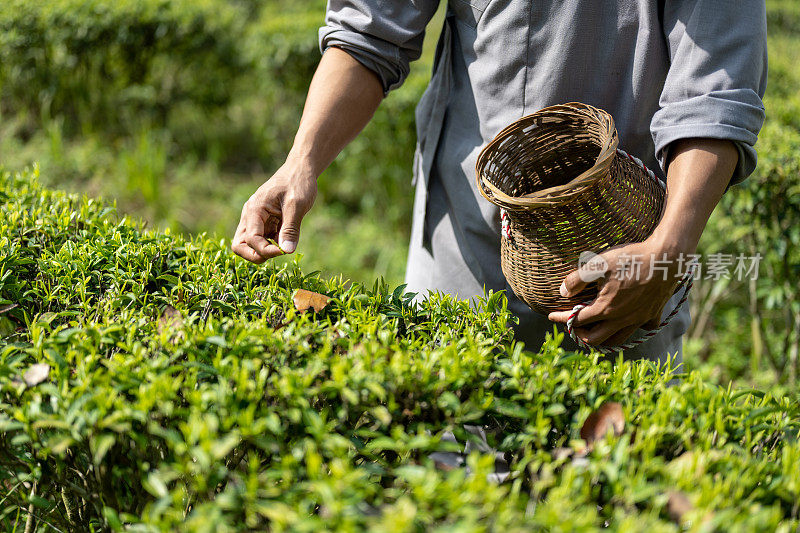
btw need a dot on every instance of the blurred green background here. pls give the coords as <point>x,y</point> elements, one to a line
<point>179,109</point>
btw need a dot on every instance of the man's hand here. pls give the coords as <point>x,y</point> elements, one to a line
<point>639,281</point>
<point>698,172</point>
<point>273,215</point>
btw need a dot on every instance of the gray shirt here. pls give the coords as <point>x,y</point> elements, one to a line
<point>664,69</point>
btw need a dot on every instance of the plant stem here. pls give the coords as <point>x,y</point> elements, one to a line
<point>30,522</point>
<point>755,330</point>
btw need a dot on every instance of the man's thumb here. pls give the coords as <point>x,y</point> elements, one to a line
<point>290,229</point>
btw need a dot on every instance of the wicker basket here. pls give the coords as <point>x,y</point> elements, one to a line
<point>565,188</point>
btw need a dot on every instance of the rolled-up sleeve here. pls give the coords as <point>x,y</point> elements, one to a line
<point>717,76</point>
<point>383,35</point>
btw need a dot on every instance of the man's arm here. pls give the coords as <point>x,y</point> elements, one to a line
<point>341,100</point>
<point>368,48</point>
<point>698,173</point>
<point>710,112</point>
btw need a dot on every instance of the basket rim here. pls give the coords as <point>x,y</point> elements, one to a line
<point>559,193</point>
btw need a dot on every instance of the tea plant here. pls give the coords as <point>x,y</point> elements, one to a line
<point>179,110</point>
<point>156,383</point>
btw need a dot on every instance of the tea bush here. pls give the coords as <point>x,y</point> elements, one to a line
<point>179,110</point>
<point>104,64</point>
<point>157,383</point>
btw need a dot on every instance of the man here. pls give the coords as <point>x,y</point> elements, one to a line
<point>683,80</point>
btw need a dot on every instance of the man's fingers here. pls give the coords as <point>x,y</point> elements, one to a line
<point>572,284</point>
<point>251,245</point>
<point>254,233</point>
<point>253,238</point>
<point>240,248</point>
<point>245,252</point>
<point>262,246</point>
<point>559,316</point>
<point>289,234</point>
<point>248,245</point>
<point>587,315</point>
<point>592,267</point>
<point>601,333</point>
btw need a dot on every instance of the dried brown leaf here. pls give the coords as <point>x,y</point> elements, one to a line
<point>36,374</point>
<point>305,300</point>
<point>608,417</point>
<point>678,505</point>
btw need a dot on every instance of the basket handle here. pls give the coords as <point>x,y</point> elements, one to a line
<point>686,283</point>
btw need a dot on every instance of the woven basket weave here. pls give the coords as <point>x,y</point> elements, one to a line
<point>564,188</point>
